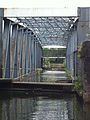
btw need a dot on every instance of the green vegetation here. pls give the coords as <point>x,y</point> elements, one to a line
<point>64,62</point>
<point>47,62</point>
<point>78,83</point>
<point>38,71</point>
<point>54,52</point>
<point>79,51</point>
<point>68,74</point>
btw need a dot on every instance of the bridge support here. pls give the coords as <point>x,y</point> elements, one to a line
<point>85,72</point>
<point>1,40</point>
<point>80,36</point>
<point>83,30</point>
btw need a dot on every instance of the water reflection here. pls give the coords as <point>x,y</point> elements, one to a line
<point>17,109</point>
<point>51,109</point>
<point>46,76</point>
<point>36,108</point>
<point>53,76</point>
<point>43,108</point>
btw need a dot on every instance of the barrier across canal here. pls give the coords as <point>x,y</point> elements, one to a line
<point>36,86</point>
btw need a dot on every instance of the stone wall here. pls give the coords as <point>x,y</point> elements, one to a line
<point>85,70</point>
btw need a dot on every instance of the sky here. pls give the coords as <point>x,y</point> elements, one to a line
<point>54,46</point>
<point>66,7</point>
<point>44,3</point>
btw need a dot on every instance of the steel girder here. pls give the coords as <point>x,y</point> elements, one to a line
<point>49,30</point>
<point>21,51</point>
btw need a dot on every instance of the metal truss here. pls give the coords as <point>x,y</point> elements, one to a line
<point>49,30</point>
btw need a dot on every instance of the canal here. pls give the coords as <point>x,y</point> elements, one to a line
<point>24,105</point>
<point>27,106</point>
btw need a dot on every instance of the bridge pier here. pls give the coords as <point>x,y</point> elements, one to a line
<point>85,73</point>
<point>80,36</point>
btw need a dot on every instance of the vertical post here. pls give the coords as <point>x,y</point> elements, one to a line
<point>7,62</point>
<point>41,54</point>
<point>21,60</point>
<point>42,58</point>
<point>30,52</point>
<point>35,53</point>
<point>1,41</point>
<point>26,52</point>
<point>15,35</point>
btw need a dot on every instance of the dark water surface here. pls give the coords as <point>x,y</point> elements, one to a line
<point>27,106</point>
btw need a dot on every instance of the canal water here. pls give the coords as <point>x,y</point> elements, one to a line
<point>53,76</point>
<point>43,106</point>
<point>49,76</point>
<point>27,106</point>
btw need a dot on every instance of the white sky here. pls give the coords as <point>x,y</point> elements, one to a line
<point>54,46</point>
<point>65,7</point>
<point>44,3</point>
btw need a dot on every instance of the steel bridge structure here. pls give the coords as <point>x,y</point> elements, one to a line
<point>24,33</point>
<point>23,36</point>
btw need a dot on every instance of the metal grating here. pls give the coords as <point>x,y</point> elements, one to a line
<point>49,30</point>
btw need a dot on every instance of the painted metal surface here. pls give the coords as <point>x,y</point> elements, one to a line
<point>1,40</point>
<point>52,30</point>
<point>20,52</point>
<point>71,48</point>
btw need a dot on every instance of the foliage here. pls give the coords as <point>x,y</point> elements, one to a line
<point>54,52</point>
<point>68,73</point>
<point>79,50</point>
<point>47,62</point>
<point>64,63</point>
<point>78,84</point>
